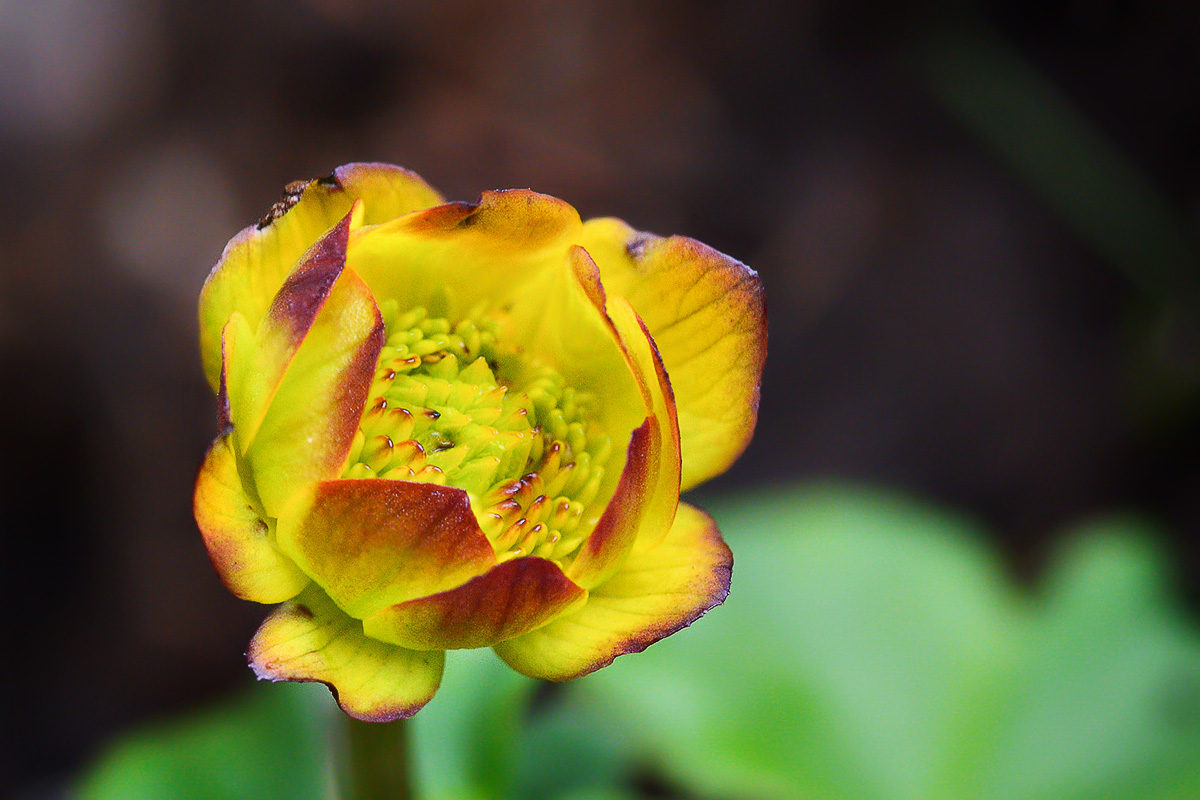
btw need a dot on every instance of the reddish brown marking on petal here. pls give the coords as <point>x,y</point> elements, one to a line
<point>363,539</point>
<point>445,217</point>
<point>224,419</point>
<point>670,462</point>
<point>618,527</point>
<point>306,289</point>
<point>588,275</point>
<point>353,391</point>
<point>707,314</point>
<point>513,598</point>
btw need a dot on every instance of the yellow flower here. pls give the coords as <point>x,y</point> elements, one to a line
<point>450,425</point>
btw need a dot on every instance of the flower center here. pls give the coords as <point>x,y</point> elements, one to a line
<point>451,405</point>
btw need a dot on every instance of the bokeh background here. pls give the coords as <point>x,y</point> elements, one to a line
<point>976,223</point>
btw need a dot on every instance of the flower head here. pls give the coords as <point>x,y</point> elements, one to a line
<point>452,425</point>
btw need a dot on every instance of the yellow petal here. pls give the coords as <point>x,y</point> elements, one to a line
<point>309,426</point>
<point>663,498</point>
<point>657,592</point>
<point>511,599</point>
<point>458,258</point>
<point>561,320</point>
<point>310,639</point>
<point>254,365</point>
<point>256,261</point>
<point>237,537</point>
<point>241,387</point>
<point>707,315</point>
<point>373,543</point>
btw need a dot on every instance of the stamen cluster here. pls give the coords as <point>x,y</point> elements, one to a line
<point>451,405</point>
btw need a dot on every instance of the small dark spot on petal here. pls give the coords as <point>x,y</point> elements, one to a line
<point>304,611</point>
<point>636,247</point>
<point>291,196</point>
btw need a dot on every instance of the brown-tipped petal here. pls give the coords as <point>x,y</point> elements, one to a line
<point>614,535</point>
<point>310,639</point>
<point>373,543</point>
<point>456,258</point>
<point>237,537</point>
<point>513,598</point>
<point>255,262</point>
<point>310,423</point>
<point>707,313</point>
<point>656,593</point>
<point>663,498</point>
<point>251,373</point>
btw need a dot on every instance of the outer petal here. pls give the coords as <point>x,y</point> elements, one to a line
<point>707,314</point>
<point>309,639</point>
<point>310,423</point>
<point>256,261</point>
<point>461,257</point>
<point>254,363</point>
<point>656,593</point>
<point>513,598</point>
<point>237,537</point>
<point>373,543</point>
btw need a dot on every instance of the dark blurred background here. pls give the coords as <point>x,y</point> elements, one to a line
<point>975,221</point>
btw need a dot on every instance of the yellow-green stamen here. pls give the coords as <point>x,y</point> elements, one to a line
<point>451,405</point>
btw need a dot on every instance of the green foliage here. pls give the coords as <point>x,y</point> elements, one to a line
<point>261,743</point>
<point>872,649</point>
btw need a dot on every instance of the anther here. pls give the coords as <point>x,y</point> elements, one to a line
<point>562,511</point>
<point>507,510</point>
<point>378,452</point>
<point>409,453</point>
<point>534,509</point>
<point>430,474</point>
<point>510,536</point>
<point>400,423</point>
<point>556,484</point>
<point>360,470</point>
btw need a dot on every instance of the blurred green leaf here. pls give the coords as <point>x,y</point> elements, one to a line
<point>464,740</point>
<point>871,648</point>
<point>275,740</point>
<point>259,744</point>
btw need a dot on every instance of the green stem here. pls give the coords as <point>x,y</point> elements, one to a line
<point>375,763</point>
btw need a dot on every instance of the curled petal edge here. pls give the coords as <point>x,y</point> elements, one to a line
<point>512,598</point>
<point>237,537</point>
<point>657,592</point>
<point>310,640</point>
